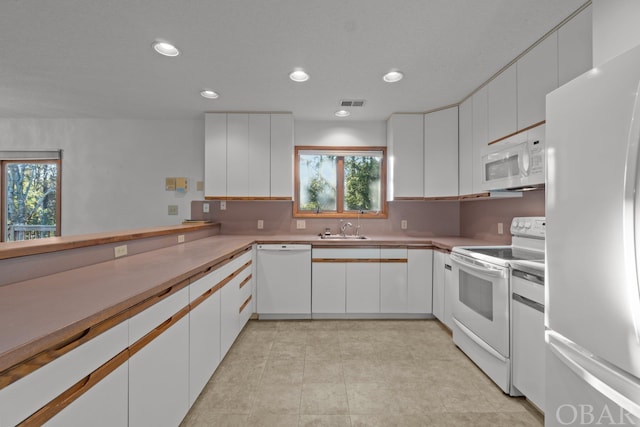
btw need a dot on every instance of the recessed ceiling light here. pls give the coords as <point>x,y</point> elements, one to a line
<point>209,94</point>
<point>342,113</point>
<point>393,76</point>
<point>165,48</point>
<point>299,76</point>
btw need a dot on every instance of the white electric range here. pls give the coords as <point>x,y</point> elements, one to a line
<point>482,297</point>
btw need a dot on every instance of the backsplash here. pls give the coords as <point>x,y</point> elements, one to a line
<point>423,218</point>
<point>478,218</point>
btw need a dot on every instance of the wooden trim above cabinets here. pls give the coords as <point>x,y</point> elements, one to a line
<point>515,133</point>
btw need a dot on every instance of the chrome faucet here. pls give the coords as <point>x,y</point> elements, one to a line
<point>344,226</point>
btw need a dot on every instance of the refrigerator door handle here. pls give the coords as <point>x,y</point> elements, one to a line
<point>631,216</point>
<point>613,383</point>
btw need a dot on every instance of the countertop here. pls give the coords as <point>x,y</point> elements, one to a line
<point>39,313</point>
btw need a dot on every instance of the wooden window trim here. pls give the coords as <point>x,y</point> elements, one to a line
<point>383,213</point>
<point>3,192</point>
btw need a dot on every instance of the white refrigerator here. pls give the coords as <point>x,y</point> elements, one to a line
<point>592,290</point>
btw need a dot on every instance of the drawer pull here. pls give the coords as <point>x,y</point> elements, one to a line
<point>244,304</point>
<point>245,281</point>
<point>70,341</point>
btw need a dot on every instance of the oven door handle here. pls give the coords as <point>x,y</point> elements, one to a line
<point>476,339</point>
<point>479,266</point>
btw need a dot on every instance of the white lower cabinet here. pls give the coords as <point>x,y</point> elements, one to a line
<point>235,302</point>
<point>438,285</point>
<point>24,397</point>
<point>419,281</point>
<point>363,287</point>
<point>204,344</point>
<point>104,405</point>
<point>329,287</point>
<point>448,292</point>
<point>394,292</point>
<point>442,287</point>
<point>159,371</point>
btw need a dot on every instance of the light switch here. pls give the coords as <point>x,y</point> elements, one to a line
<point>173,210</point>
<point>181,185</point>
<point>205,207</point>
<point>199,185</point>
<point>170,184</point>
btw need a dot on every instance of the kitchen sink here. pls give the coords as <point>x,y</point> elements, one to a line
<point>341,237</point>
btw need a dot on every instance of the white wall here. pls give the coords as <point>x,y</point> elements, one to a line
<point>113,171</point>
<point>616,28</point>
<point>347,133</point>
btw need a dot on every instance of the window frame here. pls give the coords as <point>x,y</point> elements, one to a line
<point>297,213</point>
<point>3,192</point>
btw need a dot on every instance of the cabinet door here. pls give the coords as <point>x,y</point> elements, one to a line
<point>480,134</point>
<point>328,287</point>
<point>215,154</point>
<point>405,142</point>
<point>438,285</point>
<point>27,395</point>
<point>537,76</point>
<point>259,155</point>
<point>502,101</point>
<point>281,155</point>
<point>237,155</point>
<point>159,379</point>
<point>575,47</point>
<point>447,310</point>
<point>441,153</point>
<point>420,280</point>
<point>104,405</point>
<point>204,344</point>
<point>465,148</point>
<point>363,287</point>
<point>393,280</point>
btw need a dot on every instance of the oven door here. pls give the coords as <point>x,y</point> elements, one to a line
<point>481,300</point>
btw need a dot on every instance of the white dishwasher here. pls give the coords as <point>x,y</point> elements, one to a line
<point>284,281</point>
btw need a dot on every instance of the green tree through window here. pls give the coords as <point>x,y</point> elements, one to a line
<point>340,181</point>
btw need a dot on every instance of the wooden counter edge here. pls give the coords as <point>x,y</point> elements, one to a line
<point>60,243</point>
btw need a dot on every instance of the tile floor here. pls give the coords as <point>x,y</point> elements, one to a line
<point>352,373</point>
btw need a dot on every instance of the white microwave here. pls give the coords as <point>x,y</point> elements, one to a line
<point>516,162</point>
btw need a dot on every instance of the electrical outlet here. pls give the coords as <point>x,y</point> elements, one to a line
<point>500,228</point>
<point>403,224</point>
<point>173,210</point>
<point>223,205</point>
<point>119,251</point>
<point>205,207</point>
<point>301,224</point>
<point>180,238</point>
<point>260,224</point>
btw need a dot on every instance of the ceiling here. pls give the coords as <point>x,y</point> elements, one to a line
<point>93,58</point>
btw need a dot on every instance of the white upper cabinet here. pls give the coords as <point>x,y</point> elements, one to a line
<point>502,101</point>
<point>441,153</point>
<point>465,147</point>
<point>281,155</point>
<point>215,154</point>
<point>405,150</point>
<point>537,76</point>
<point>238,155</point>
<point>575,46</point>
<point>480,134</point>
<point>259,154</point>
<point>248,155</point>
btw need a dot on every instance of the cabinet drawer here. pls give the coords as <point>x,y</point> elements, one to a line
<point>207,282</point>
<point>24,397</point>
<point>393,253</point>
<point>149,319</point>
<point>346,253</point>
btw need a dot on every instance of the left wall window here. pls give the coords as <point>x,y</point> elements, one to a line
<point>30,202</point>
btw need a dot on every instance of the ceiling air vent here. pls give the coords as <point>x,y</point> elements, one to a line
<point>352,103</point>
